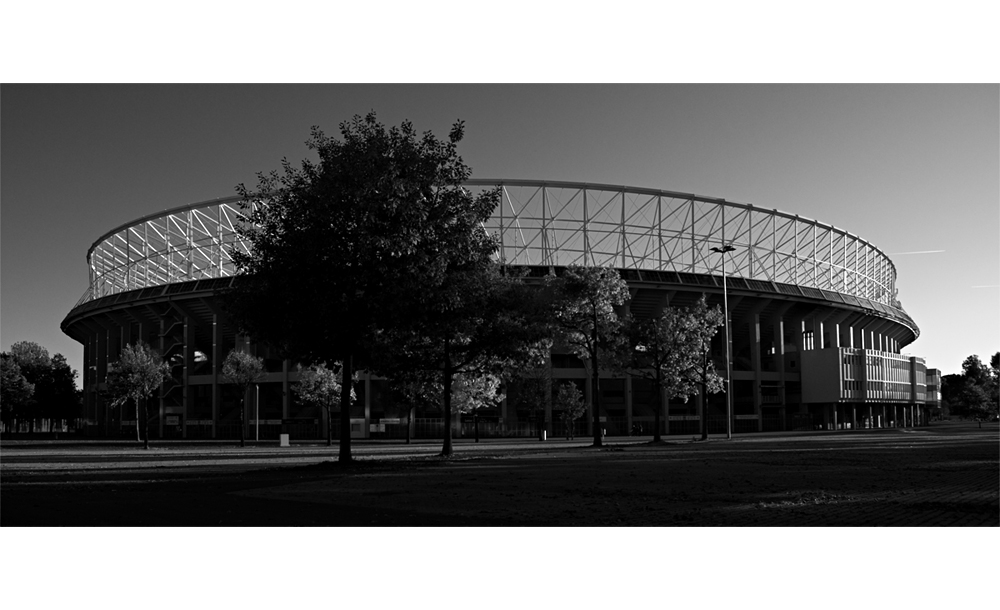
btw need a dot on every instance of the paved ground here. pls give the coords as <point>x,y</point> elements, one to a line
<point>943,475</point>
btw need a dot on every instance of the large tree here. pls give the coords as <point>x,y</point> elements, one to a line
<point>59,396</point>
<point>665,350</point>
<point>341,248</point>
<point>137,373</point>
<point>36,366</point>
<point>15,390</point>
<point>479,322</point>
<point>973,393</point>
<point>243,370</point>
<point>54,397</point>
<point>584,300</point>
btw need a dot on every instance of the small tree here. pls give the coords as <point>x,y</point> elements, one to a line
<point>585,299</point>
<point>570,401</point>
<point>705,323</point>
<point>244,370</point>
<point>321,386</point>
<point>534,391</point>
<point>135,376</point>
<point>665,351</point>
<point>471,393</point>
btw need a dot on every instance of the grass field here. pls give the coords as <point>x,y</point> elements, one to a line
<point>947,474</point>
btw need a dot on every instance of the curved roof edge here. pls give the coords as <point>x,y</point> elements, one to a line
<point>530,183</point>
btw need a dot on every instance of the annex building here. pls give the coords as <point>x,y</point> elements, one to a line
<point>817,332</point>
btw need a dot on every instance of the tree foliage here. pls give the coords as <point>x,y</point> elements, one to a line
<point>137,373</point>
<point>15,390</point>
<point>973,393</point>
<point>60,398</point>
<point>342,248</point>
<point>474,392</point>
<point>584,300</point>
<point>243,370</point>
<point>54,395</point>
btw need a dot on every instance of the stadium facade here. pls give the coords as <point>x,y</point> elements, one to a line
<point>816,328</point>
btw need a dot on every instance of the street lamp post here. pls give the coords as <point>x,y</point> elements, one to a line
<point>729,372</point>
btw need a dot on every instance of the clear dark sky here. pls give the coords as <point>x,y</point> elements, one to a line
<point>911,168</point>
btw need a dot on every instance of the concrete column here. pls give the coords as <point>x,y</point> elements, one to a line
<point>628,403</point>
<point>216,368</point>
<point>779,358</point>
<point>854,417</point>
<point>285,394</point>
<point>798,328</point>
<point>187,353</point>
<point>835,426</point>
<point>755,362</point>
<point>368,405</point>
<point>101,348</point>
<point>548,404</point>
<point>816,328</point>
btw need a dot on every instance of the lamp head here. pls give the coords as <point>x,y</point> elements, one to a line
<point>724,249</point>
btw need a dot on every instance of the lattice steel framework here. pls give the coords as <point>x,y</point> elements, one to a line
<point>561,223</point>
<point>188,243</point>
<point>543,223</point>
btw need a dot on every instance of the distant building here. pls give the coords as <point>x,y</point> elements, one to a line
<point>817,332</point>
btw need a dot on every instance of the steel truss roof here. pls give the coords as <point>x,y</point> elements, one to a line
<point>544,223</point>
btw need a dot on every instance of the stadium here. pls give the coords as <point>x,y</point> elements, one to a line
<point>816,329</point>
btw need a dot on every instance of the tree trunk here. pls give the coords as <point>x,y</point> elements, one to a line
<point>138,432</point>
<point>446,449</point>
<point>596,402</point>
<point>347,373</point>
<point>475,420</point>
<point>409,422</point>
<point>243,426</point>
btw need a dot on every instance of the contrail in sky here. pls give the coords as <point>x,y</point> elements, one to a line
<point>917,252</point>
